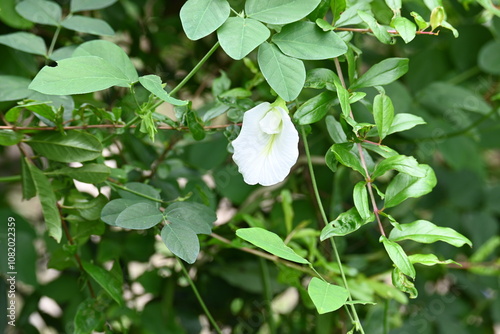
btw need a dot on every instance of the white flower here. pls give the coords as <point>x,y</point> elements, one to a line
<point>267,146</point>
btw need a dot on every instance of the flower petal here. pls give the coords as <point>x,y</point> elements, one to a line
<point>262,157</point>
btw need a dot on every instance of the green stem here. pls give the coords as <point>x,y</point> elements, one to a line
<point>114,185</point>
<point>13,178</point>
<point>200,300</point>
<point>267,294</point>
<point>53,42</point>
<point>195,69</point>
<point>325,219</point>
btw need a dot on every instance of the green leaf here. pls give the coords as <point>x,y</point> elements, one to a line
<point>315,108</point>
<point>343,95</point>
<point>10,16</point>
<point>202,17</point>
<point>337,7</point>
<point>398,257</point>
<point>81,5</point>
<point>29,189</point>
<point>197,217</point>
<point>360,197</point>
<point>88,25</point>
<point>279,11</point>
<point>13,88</point>
<point>154,85</point>
<point>106,280</point>
<point>47,200</point>
<point>113,208</point>
<point>284,74</point>
<point>383,73</point>
<point>25,42</point>
<point>182,241</point>
<point>195,125</point>
<point>321,78</point>
<point>421,23</point>
<point>488,58</point>
<point>382,150</point>
<point>394,5</point>
<point>346,223</point>
<point>486,249</point>
<point>383,113</point>
<point>91,210</point>
<point>426,232</point>
<point>40,11</point>
<point>75,146</point>
<point>437,17</point>
<point>110,52</point>
<point>305,40</point>
<point>428,259</point>
<point>89,316</point>
<point>404,186</point>
<point>239,36</point>
<point>9,137</point>
<point>406,29</point>
<point>325,296</point>
<point>335,130</point>
<point>379,31</point>
<point>139,216</point>
<point>401,163</point>
<point>404,122</point>
<point>269,242</point>
<point>79,75</point>
<point>401,281</point>
<point>90,173</point>
<point>345,155</point>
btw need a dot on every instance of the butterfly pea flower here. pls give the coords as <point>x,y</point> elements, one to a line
<point>267,146</point>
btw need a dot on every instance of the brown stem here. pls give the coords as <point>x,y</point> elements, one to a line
<point>369,181</point>
<point>103,126</point>
<point>364,30</point>
<point>72,242</point>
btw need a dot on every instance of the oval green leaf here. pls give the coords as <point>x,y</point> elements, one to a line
<point>13,88</point>
<point>75,146</point>
<point>110,52</point>
<point>404,186</point>
<point>139,216</point>
<point>79,75</point>
<point>239,36</point>
<point>426,232</point>
<point>198,217</point>
<point>9,137</point>
<point>106,280</point>
<point>313,110</point>
<point>154,85</point>
<point>269,242</point>
<point>305,40</point>
<point>40,11</point>
<point>383,113</point>
<point>347,222</point>
<point>325,296</point>
<point>182,241</point>
<point>398,257</point>
<point>88,25</point>
<point>284,74</point>
<point>47,200</point>
<point>80,5</point>
<point>383,73</point>
<point>113,208</point>
<point>90,173</point>
<point>202,17</point>
<point>401,163</point>
<point>25,42</point>
<point>279,11</point>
